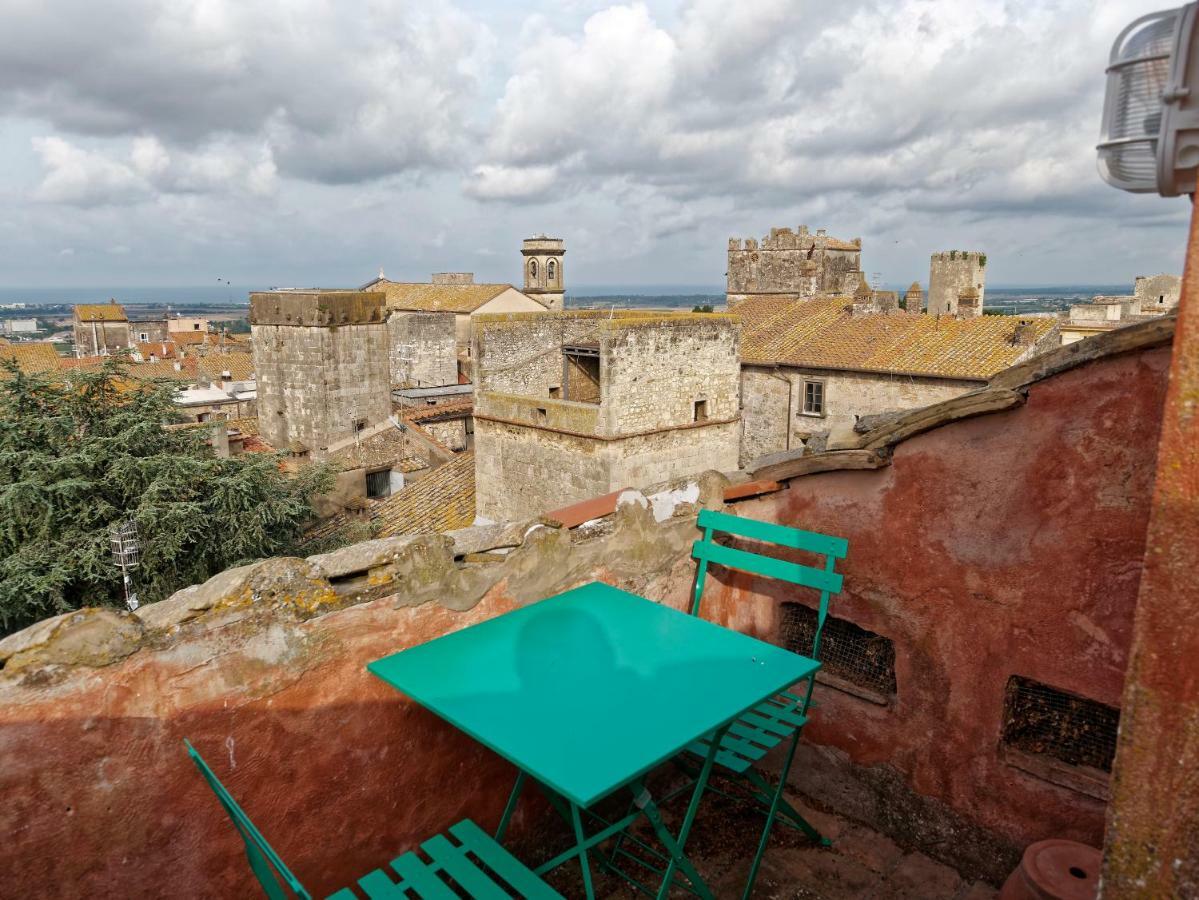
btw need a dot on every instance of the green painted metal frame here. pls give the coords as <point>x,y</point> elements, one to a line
<point>642,804</point>
<point>416,877</point>
<point>827,581</point>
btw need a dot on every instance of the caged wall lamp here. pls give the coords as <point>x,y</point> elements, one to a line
<point>1150,136</point>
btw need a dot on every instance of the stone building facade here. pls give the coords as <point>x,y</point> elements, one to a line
<point>569,406</point>
<point>544,279</point>
<point>1157,293</point>
<point>812,369</point>
<point>100,329</point>
<point>422,349</point>
<point>790,265</point>
<point>957,283</point>
<point>322,365</point>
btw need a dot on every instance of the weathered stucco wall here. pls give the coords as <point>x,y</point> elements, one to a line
<point>1005,544</point>
<point>1009,544</point>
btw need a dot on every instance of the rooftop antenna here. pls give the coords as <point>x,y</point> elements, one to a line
<point>126,555</point>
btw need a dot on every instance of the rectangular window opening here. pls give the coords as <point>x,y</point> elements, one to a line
<point>555,392</point>
<point>1046,721</point>
<point>813,398</point>
<point>378,484</point>
<point>541,415</point>
<point>700,411</point>
<point>847,652</point>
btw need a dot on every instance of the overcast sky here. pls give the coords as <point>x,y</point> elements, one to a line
<point>301,142</point>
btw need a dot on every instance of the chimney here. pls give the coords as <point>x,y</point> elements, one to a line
<point>453,278</point>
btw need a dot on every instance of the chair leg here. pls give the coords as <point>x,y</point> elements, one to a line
<point>770,815</point>
<point>765,792</point>
<point>510,807</point>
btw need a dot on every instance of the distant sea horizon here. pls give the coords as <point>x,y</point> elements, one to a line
<point>1000,297</point>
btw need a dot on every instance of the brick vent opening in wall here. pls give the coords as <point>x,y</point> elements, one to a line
<point>848,653</point>
<point>1043,720</point>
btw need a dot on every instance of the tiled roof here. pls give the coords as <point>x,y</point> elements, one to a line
<point>247,425</point>
<point>164,368</point>
<point>455,298</point>
<point>159,349</point>
<point>455,408</point>
<point>824,334</point>
<point>239,364</point>
<point>440,501</point>
<point>386,448</point>
<point>32,356</point>
<point>100,312</point>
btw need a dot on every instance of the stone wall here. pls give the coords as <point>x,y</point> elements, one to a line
<point>795,263</point>
<point>1157,293</point>
<point>452,433</point>
<point>847,397</point>
<point>96,338</point>
<point>652,374</point>
<point>1031,532</point>
<point>423,350</point>
<point>322,366</point>
<point>952,271</point>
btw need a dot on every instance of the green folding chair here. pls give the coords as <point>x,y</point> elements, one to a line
<point>471,865</point>
<point>782,717</point>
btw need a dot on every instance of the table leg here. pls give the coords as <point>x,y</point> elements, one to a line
<point>582,842</point>
<point>511,805</point>
<point>675,846</point>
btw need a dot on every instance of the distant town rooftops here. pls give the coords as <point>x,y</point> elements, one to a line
<point>100,312</point>
<point>825,334</point>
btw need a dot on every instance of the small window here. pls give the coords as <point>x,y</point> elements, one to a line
<point>848,653</point>
<point>813,398</point>
<point>195,326</point>
<point>551,269</point>
<point>555,392</point>
<point>541,416</point>
<point>533,268</point>
<point>144,337</point>
<point>699,411</point>
<point>360,424</point>
<point>1043,720</point>
<point>378,484</point>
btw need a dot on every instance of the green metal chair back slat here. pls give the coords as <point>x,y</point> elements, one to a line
<point>416,878</point>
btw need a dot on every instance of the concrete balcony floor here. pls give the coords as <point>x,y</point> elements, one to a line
<point>861,863</point>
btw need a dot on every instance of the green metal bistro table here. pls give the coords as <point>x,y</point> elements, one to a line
<point>588,691</point>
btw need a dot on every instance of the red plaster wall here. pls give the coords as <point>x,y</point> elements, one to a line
<point>1007,544</point>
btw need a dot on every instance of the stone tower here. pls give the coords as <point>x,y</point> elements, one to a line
<point>321,359</point>
<point>913,299</point>
<point>951,272</point>
<point>544,278</point>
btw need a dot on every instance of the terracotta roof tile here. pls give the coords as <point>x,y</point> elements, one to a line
<point>455,298</point>
<point>456,407</point>
<point>824,334</point>
<point>100,312</point>
<point>387,448</point>
<point>441,501</point>
<point>239,364</point>
<point>32,356</point>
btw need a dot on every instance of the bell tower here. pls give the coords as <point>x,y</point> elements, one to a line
<point>544,279</point>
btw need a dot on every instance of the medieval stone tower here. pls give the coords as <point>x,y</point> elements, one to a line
<point>321,359</point>
<point>951,273</point>
<point>544,279</point>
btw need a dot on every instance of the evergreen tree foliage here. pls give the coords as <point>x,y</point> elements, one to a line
<point>81,451</point>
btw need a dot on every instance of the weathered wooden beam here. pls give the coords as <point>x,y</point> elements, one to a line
<point>832,461</point>
<point>918,421</point>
